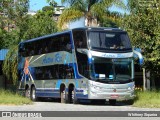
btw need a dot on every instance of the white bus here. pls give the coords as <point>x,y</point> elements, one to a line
<point>79,64</point>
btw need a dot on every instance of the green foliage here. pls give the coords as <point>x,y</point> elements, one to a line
<point>89,9</point>
<point>143,25</point>
<point>12,98</point>
<point>106,22</point>
<point>52,3</point>
<point>11,63</point>
<point>12,17</point>
<point>111,19</point>
<point>47,8</point>
<point>69,14</point>
<point>39,25</point>
<point>10,38</point>
<point>147,99</point>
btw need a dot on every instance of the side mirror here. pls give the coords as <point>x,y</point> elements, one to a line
<point>137,54</point>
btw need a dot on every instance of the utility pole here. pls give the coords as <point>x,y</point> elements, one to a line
<point>144,79</point>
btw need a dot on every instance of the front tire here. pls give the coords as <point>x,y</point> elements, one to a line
<point>130,102</point>
<point>27,93</point>
<point>112,102</point>
<point>63,97</point>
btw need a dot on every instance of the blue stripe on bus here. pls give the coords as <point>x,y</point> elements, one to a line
<point>47,90</point>
<point>89,60</point>
<point>77,76</point>
<point>82,96</point>
<point>56,95</point>
<point>79,90</point>
<point>71,40</point>
<point>76,83</point>
<point>58,83</point>
<point>54,90</point>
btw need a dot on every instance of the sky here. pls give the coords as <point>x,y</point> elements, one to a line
<point>39,4</point>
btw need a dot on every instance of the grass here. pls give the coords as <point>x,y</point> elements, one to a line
<point>11,98</point>
<point>147,99</point>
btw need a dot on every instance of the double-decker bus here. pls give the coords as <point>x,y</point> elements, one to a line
<point>79,64</point>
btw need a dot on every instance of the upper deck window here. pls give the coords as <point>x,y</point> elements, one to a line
<point>46,45</point>
<point>109,40</point>
<point>79,37</point>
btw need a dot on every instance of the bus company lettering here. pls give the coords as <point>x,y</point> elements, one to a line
<point>108,55</point>
<point>113,55</point>
<point>56,59</point>
<point>120,56</point>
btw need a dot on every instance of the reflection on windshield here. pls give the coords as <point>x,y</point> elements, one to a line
<point>123,70</point>
<point>109,40</point>
<point>111,69</point>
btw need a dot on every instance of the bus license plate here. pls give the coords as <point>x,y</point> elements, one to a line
<point>114,96</point>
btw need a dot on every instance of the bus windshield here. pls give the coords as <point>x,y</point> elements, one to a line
<point>109,40</point>
<point>104,69</point>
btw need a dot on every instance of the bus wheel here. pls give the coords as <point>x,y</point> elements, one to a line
<point>33,94</point>
<point>112,102</point>
<point>130,102</point>
<point>27,92</point>
<point>63,96</point>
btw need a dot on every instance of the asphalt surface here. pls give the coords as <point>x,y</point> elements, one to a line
<point>83,111</point>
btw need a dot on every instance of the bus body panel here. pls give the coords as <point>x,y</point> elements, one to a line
<point>62,66</point>
<point>111,91</point>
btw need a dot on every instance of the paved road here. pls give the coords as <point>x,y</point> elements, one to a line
<point>56,106</point>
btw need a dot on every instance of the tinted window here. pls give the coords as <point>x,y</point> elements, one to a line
<point>109,40</point>
<point>53,44</point>
<point>83,66</point>
<point>79,37</point>
<point>53,72</point>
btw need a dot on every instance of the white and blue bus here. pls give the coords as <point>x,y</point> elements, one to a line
<point>79,64</point>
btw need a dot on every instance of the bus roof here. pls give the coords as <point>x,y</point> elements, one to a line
<point>99,28</point>
<point>45,36</point>
<point>79,28</point>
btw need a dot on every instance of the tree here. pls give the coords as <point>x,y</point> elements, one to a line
<point>47,8</point>
<point>111,19</point>
<point>143,25</point>
<point>52,3</point>
<point>11,17</point>
<point>26,27</point>
<point>90,9</point>
<point>39,25</point>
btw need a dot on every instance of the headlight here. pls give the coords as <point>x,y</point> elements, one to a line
<point>129,88</point>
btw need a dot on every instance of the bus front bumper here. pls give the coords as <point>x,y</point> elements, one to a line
<point>111,96</point>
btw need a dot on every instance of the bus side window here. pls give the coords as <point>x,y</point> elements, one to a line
<point>68,44</point>
<point>80,40</point>
<point>69,72</point>
<point>82,61</point>
<point>45,48</point>
<point>50,45</point>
